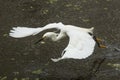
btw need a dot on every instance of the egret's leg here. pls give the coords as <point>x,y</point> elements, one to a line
<point>56,60</point>
<point>98,40</point>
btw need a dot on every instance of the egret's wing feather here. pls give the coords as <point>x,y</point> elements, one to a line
<point>19,32</point>
<point>81,45</point>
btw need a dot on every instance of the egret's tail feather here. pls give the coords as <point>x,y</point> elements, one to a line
<point>56,60</point>
<point>91,29</point>
<point>19,32</point>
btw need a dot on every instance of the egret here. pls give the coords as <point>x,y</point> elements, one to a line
<point>81,40</point>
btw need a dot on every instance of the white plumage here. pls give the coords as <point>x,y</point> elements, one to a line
<point>19,32</point>
<point>81,43</point>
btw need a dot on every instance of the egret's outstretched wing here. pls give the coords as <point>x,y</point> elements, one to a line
<point>20,32</point>
<point>81,45</point>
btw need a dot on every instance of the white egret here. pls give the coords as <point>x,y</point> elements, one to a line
<point>81,42</point>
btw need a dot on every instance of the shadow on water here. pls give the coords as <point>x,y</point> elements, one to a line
<point>20,59</point>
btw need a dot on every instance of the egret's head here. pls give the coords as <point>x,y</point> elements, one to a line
<point>49,35</point>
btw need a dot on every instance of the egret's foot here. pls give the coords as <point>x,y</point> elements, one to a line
<point>102,46</point>
<point>98,39</point>
<point>56,60</point>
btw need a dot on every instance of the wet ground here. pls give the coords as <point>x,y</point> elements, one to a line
<point>20,59</point>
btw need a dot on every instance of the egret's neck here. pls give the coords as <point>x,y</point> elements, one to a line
<point>53,25</point>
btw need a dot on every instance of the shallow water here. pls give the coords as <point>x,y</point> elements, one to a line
<point>21,59</point>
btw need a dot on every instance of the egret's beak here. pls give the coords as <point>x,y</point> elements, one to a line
<point>41,39</point>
